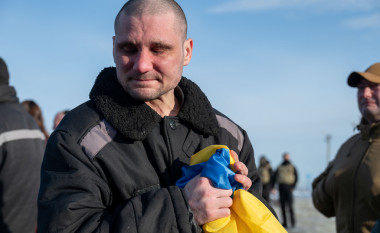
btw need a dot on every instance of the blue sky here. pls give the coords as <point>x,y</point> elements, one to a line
<point>278,68</point>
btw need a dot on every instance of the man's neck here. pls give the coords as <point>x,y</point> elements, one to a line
<point>372,121</point>
<point>165,105</point>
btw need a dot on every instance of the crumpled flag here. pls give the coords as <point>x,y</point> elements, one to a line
<point>248,214</point>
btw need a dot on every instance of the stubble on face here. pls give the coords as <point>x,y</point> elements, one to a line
<point>144,92</point>
<point>369,100</point>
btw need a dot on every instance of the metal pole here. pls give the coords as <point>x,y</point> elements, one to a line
<point>328,148</point>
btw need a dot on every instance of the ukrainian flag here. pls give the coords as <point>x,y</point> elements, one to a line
<point>248,214</point>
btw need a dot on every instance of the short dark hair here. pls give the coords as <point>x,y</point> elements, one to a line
<point>153,7</point>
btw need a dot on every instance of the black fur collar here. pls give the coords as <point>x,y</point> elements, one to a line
<point>135,120</point>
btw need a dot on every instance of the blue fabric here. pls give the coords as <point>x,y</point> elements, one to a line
<point>217,169</point>
<point>376,228</point>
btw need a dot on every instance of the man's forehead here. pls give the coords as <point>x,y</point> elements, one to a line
<point>148,29</point>
<point>146,19</point>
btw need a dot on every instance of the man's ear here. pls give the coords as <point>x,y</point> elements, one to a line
<point>188,51</point>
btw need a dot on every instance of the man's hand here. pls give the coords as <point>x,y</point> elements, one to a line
<point>207,202</point>
<point>242,172</point>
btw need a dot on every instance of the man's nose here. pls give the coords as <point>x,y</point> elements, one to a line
<point>367,93</point>
<point>143,62</point>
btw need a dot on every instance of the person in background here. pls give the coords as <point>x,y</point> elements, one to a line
<point>58,118</point>
<point>22,145</point>
<point>286,177</point>
<point>349,188</point>
<point>36,113</point>
<point>266,173</point>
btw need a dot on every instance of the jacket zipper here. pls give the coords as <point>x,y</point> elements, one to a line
<point>354,187</point>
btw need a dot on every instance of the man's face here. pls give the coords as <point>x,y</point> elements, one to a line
<point>149,52</point>
<point>58,119</point>
<point>262,160</point>
<point>369,100</point>
<point>286,157</point>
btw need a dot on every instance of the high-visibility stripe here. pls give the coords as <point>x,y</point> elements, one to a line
<point>21,134</point>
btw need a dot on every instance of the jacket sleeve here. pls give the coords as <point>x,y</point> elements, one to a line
<point>248,158</point>
<point>321,199</point>
<point>74,198</point>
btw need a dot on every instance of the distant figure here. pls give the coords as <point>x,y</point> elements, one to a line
<point>22,146</point>
<point>286,177</point>
<point>349,188</point>
<point>36,113</point>
<point>58,118</point>
<point>266,173</point>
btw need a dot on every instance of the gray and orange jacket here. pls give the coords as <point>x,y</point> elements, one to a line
<point>349,188</point>
<point>112,163</point>
<point>22,146</point>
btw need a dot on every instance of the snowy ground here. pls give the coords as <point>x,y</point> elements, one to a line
<point>308,219</point>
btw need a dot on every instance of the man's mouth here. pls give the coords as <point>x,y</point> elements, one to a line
<point>143,82</point>
<point>367,103</point>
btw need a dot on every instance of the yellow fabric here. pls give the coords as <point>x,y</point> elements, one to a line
<point>248,214</point>
<point>204,155</point>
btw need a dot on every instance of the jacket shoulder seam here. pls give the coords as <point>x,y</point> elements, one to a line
<point>89,128</point>
<point>231,127</point>
<point>97,138</point>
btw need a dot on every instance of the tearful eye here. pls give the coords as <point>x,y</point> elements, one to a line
<point>158,50</point>
<point>129,50</point>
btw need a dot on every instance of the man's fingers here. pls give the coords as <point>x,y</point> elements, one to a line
<point>207,183</point>
<point>220,213</point>
<point>224,202</point>
<point>241,172</point>
<point>207,202</point>
<point>223,192</point>
<point>241,168</point>
<point>234,155</point>
<point>244,181</point>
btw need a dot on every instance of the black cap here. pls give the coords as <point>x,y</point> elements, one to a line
<point>4,75</point>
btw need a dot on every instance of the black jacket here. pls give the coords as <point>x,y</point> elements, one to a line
<point>112,163</point>
<point>22,146</point>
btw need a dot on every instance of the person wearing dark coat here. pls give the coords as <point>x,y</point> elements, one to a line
<point>266,175</point>
<point>286,177</point>
<point>22,146</point>
<point>112,163</point>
